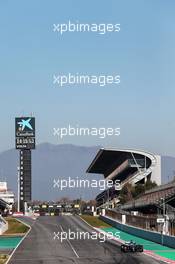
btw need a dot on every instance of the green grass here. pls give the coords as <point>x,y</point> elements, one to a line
<point>15,227</point>
<point>94,221</point>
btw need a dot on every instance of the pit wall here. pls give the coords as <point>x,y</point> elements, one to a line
<point>168,241</point>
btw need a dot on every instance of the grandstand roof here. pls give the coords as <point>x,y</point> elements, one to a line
<point>107,160</point>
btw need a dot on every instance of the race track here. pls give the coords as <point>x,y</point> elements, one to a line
<point>40,247</point>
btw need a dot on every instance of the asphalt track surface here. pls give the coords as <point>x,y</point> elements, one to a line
<point>40,247</point>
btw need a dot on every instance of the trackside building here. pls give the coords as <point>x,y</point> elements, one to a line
<point>132,166</point>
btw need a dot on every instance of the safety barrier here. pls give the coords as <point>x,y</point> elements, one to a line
<point>149,235</point>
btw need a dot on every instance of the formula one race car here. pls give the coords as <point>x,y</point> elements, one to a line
<point>131,247</point>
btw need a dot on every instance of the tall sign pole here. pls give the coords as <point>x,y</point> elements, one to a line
<point>18,209</point>
<point>25,142</point>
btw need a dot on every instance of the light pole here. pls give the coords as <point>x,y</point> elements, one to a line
<point>80,205</point>
<point>107,192</point>
<point>102,207</point>
<point>163,204</point>
<point>164,208</point>
<point>164,216</point>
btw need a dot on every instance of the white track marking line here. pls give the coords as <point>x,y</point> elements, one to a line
<point>155,257</point>
<point>70,244</point>
<point>20,240</point>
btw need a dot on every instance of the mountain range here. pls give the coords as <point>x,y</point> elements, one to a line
<point>51,162</point>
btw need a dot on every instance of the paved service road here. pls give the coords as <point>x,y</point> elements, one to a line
<point>40,247</point>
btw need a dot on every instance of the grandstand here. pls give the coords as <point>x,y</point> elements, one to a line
<point>154,199</point>
<point>130,166</point>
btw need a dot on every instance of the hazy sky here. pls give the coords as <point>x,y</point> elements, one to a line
<point>143,53</point>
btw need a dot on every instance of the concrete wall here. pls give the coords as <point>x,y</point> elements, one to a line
<point>149,235</point>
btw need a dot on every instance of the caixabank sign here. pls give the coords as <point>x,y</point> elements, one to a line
<point>25,132</point>
<point>25,126</point>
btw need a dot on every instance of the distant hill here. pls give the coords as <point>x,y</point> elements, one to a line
<point>51,162</point>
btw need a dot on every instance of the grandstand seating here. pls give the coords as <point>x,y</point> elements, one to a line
<point>153,197</point>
